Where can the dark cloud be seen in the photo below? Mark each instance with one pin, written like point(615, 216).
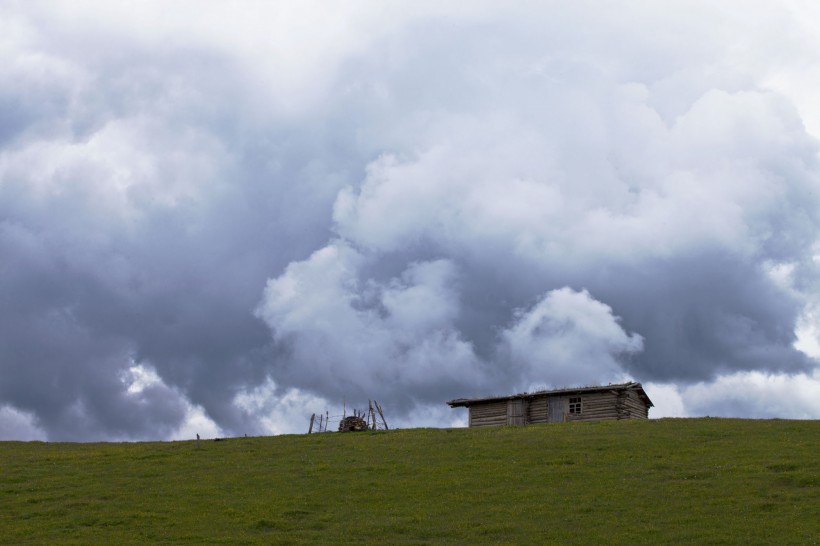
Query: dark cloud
point(225, 222)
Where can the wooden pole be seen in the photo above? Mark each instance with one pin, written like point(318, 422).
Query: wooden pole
point(379, 408)
point(312, 418)
point(327, 418)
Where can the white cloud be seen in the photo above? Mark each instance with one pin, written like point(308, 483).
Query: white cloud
point(280, 411)
point(753, 395)
point(347, 334)
point(196, 422)
point(438, 415)
point(808, 331)
point(756, 395)
point(19, 425)
point(569, 339)
point(502, 184)
point(667, 400)
point(144, 386)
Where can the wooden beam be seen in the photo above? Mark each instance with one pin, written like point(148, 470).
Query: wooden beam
point(381, 414)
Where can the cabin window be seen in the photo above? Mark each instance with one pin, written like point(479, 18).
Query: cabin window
point(575, 405)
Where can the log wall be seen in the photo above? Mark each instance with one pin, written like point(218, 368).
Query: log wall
point(538, 410)
point(488, 415)
point(632, 407)
point(596, 406)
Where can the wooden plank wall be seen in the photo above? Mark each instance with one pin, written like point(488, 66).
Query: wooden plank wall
point(632, 407)
point(488, 415)
point(517, 411)
point(557, 408)
point(538, 410)
point(596, 406)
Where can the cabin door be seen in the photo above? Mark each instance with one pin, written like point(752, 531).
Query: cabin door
point(515, 412)
point(557, 409)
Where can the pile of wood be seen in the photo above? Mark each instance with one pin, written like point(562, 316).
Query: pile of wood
point(359, 421)
point(352, 423)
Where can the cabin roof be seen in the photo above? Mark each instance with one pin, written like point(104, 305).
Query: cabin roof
point(467, 402)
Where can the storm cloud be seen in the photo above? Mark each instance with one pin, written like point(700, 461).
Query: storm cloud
point(221, 219)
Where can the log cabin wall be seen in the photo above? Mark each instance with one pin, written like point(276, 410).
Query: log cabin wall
point(614, 402)
point(538, 410)
point(597, 406)
point(632, 407)
point(489, 414)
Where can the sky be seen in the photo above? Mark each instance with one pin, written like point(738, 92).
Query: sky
point(219, 218)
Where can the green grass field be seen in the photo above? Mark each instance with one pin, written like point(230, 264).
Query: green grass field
point(666, 481)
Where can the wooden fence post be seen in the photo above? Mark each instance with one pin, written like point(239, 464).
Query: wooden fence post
point(371, 415)
point(312, 418)
point(379, 408)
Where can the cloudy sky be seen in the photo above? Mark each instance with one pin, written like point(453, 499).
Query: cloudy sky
point(219, 218)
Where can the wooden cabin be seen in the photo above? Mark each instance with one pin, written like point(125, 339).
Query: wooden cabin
point(609, 402)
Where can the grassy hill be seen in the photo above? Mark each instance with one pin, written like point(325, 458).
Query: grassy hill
point(667, 481)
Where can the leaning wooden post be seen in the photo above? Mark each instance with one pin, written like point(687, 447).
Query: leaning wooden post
point(371, 416)
point(312, 418)
point(379, 408)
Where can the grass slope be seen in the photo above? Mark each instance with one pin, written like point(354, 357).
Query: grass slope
point(668, 481)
